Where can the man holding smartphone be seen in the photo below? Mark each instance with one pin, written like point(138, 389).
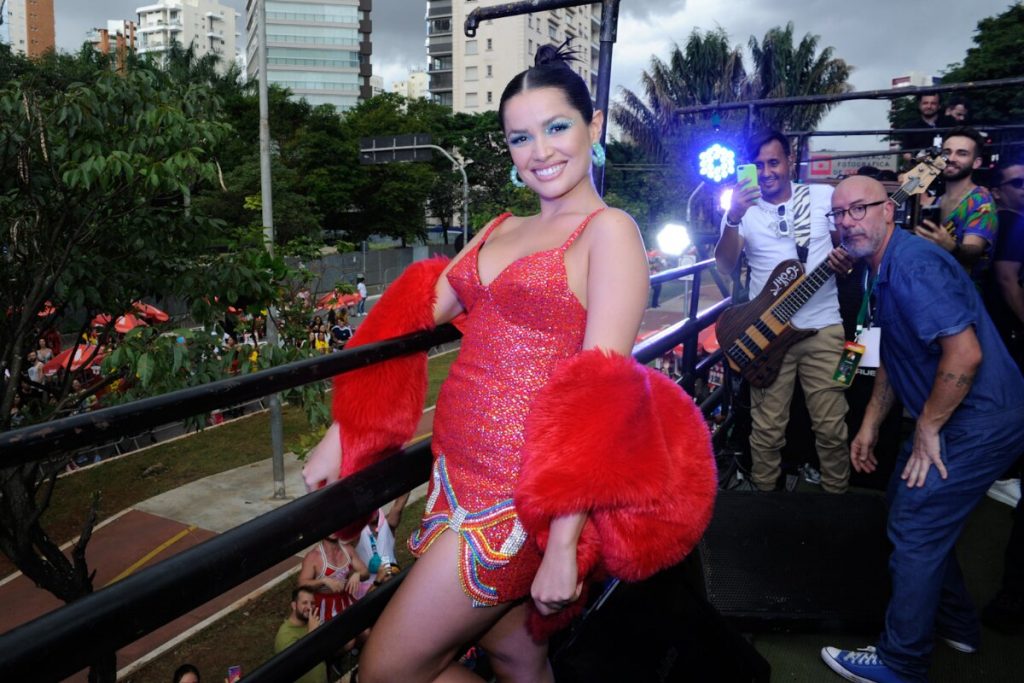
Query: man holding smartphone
point(772, 221)
point(966, 227)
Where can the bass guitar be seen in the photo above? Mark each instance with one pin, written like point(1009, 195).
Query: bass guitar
point(756, 335)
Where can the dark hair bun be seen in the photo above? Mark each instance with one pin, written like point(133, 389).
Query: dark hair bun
point(555, 55)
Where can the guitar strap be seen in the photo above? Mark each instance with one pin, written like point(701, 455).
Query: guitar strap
point(801, 217)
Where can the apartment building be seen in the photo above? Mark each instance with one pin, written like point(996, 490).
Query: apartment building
point(318, 50)
point(415, 86)
point(30, 26)
point(468, 74)
point(206, 24)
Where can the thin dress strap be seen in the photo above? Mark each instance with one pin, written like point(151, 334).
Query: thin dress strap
point(579, 231)
point(494, 224)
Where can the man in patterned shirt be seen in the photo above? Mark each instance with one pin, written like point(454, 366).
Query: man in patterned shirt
point(968, 212)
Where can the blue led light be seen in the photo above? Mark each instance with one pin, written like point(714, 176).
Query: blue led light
point(717, 163)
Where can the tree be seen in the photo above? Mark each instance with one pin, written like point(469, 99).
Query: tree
point(709, 70)
point(784, 69)
point(96, 174)
point(998, 52)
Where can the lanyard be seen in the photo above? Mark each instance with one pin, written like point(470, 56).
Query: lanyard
point(864, 315)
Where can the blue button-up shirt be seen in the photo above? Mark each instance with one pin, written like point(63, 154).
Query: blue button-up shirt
point(922, 294)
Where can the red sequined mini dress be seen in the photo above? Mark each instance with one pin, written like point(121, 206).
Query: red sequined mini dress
point(517, 329)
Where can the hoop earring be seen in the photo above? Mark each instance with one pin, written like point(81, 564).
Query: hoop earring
point(597, 154)
point(513, 176)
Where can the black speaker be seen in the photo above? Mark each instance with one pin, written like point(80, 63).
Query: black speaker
point(797, 561)
point(660, 629)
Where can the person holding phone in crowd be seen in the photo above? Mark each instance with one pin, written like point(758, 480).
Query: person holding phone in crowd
point(530, 492)
point(774, 220)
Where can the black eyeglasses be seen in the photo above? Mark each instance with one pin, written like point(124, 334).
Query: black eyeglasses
point(1015, 183)
point(781, 226)
point(857, 211)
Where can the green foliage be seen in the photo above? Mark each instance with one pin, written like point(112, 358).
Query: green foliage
point(998, 52)
point(708, 69)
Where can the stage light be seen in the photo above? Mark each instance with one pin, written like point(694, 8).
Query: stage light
point(725, 199)
point(673, 239)
point(717, 163)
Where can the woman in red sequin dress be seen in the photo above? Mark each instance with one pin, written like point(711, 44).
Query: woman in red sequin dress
point(536, 290)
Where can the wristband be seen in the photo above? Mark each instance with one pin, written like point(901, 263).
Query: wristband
point(730, 224)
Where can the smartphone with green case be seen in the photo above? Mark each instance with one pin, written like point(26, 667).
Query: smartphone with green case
point(746, 173)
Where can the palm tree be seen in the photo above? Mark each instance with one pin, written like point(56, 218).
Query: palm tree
point(706, 71)
point(783, 69)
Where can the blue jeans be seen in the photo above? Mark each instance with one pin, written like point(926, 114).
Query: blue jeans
point(361, 307)
point(928, 591)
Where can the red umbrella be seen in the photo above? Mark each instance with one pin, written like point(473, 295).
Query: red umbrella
point(48, 310)
point(150, 312)
point(335, 299)
point(125, 323)
point(128, 322)
point(83, 358)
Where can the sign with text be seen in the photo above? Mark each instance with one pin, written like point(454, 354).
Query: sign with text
point(822, 166)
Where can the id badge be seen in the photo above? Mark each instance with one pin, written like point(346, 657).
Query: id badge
point(871, 340)
point(848, 363)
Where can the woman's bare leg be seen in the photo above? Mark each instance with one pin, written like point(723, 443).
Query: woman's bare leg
point(512, 652)
point(430, 616)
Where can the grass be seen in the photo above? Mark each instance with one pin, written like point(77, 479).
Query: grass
point(246, 636)
point(124, 482)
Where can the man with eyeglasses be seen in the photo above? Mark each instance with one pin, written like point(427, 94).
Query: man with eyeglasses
point(941, 357)
point(771, 222)
point(967, 225)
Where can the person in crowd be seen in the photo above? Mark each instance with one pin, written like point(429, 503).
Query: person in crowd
point(941, 357)
point(44, 353)
point(656, 266)
point(956, 112)
point(1005, 291)
point(1005, 612)
point(968, 222)
point(773, 221)
point(302, 619)
point(928, 107)
point(528, 491)
point(34, 368)
point(361, 288)
point(186, 673)
point(376, 545)
point(335, 571)
point(341, 330)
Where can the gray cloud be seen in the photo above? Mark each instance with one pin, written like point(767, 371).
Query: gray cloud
point(880, 38)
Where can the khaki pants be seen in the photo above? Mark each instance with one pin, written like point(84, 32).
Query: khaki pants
point(814, 361)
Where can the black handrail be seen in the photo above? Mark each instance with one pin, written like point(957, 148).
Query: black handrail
point(138, 604)
point(135, 606)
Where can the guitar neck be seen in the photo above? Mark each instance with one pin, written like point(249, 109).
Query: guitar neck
point(801, 294)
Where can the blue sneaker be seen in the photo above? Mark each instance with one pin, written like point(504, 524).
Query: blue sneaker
point(860, 666)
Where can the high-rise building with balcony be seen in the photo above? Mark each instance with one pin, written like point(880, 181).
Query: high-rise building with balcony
point(30, 26)
point(468, 74)
point(206, 24)
point(318, 50)
point(415, 86)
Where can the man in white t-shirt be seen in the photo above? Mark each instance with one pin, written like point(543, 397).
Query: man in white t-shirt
point(774, 221)
point(361, 287)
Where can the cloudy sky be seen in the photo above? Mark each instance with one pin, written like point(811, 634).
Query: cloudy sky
point(880, 38)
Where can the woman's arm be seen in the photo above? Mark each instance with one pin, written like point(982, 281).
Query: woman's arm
point(617, 283)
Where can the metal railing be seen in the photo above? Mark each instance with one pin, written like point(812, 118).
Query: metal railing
point(123, 612)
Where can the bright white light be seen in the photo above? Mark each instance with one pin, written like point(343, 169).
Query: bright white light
point(673, 239)
point(725, 200)
point(717, 163)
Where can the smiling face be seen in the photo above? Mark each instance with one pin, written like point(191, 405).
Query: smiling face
point(962, 157)
point(303, 606)
point(549, 141)
point(773, 172)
